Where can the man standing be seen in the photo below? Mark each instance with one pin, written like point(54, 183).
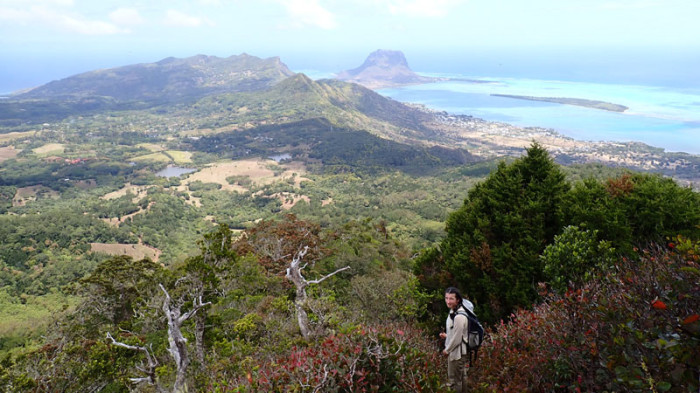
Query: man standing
point(456, 331)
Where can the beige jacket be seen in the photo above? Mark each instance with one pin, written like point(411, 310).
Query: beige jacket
point(456, 330)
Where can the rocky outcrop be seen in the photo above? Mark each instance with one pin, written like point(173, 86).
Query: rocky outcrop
point(384, 68)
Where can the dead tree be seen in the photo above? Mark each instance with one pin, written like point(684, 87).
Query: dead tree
point(294, 274)
point(177, 344)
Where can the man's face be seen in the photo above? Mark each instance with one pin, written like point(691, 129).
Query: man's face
point(451, 300)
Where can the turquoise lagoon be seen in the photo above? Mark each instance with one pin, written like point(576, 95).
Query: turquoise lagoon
point(666, 117)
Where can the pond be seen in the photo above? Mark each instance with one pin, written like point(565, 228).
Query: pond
point(174, 171)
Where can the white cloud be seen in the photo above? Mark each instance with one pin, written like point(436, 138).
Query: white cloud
point(60, 20)
point(126, 17)
point(180, 19)
point(26, 3)
point(422, 8)
point(626, 5)
point(309, 13)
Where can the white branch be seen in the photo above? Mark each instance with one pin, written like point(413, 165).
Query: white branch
point(196, 305)
point(323, 381)
point(152, 362)
point(317, 281)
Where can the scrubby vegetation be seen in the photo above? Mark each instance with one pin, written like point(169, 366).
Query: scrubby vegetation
point(588, 285)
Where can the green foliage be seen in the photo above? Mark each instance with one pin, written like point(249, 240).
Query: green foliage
point(391, 295)
point(574, 258)
point(6, 195)
point(197, 185)
point(634, 209)
point(113, 288)
point(494, 241)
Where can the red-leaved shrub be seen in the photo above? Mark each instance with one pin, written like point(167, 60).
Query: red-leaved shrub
point(396, 358)
point(632, 329)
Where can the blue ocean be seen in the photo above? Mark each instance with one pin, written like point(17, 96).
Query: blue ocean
point(666, 117)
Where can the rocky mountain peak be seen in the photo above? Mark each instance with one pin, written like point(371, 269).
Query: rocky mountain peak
point(383, 68)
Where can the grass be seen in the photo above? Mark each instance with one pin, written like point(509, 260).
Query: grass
point(180, 157)
point(136, 251)
point(156, 157)
point(7, 153)
point(11, 136)
point(50, 149)
point(151, 147)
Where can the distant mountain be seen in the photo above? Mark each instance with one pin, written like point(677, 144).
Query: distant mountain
point(168, 80)
point(384, 68)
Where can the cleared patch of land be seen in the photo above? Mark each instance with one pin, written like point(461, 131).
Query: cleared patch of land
point(136, 251)
point(11, 136)
point(180, 157)
point(8, 152)
point(289, 199)
point(50, 148)
point(151, 147)
point(138, 192)
point(606, 106)
point(259, 172)
point(156, 157)
point(28, 194)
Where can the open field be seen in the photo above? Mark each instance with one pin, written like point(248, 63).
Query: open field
point(136, 251)
point(151, 146)
point(180, 157)
point(50, 148)
point(259, 171)
point(157, 157)
point(11, 136)
point(28, 194)
point(8, 152)
point(138, 192)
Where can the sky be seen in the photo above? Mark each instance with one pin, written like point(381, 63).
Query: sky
point(44, 40)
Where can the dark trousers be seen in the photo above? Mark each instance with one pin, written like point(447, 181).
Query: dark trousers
point(457, 375)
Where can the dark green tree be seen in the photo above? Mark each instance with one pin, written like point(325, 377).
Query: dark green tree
point(494, 240)
point(113, 289)
point(202, 275)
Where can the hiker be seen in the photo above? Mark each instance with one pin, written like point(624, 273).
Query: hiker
point(456, 334)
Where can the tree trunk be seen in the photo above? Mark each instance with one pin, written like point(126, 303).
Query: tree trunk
point(199, 319)
point(295, 276)
point(302, 317)
point(177, 342)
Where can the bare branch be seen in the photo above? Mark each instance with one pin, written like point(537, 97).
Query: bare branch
point(196, 305)
point(150, 371)
point(317, 281)
point(323, 381)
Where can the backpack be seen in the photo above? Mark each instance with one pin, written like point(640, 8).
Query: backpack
point(475, 336)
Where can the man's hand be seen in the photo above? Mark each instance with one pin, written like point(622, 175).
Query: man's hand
point(443, 335)
point(444, 352)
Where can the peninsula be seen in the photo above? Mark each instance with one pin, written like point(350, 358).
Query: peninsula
point(607, 106)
